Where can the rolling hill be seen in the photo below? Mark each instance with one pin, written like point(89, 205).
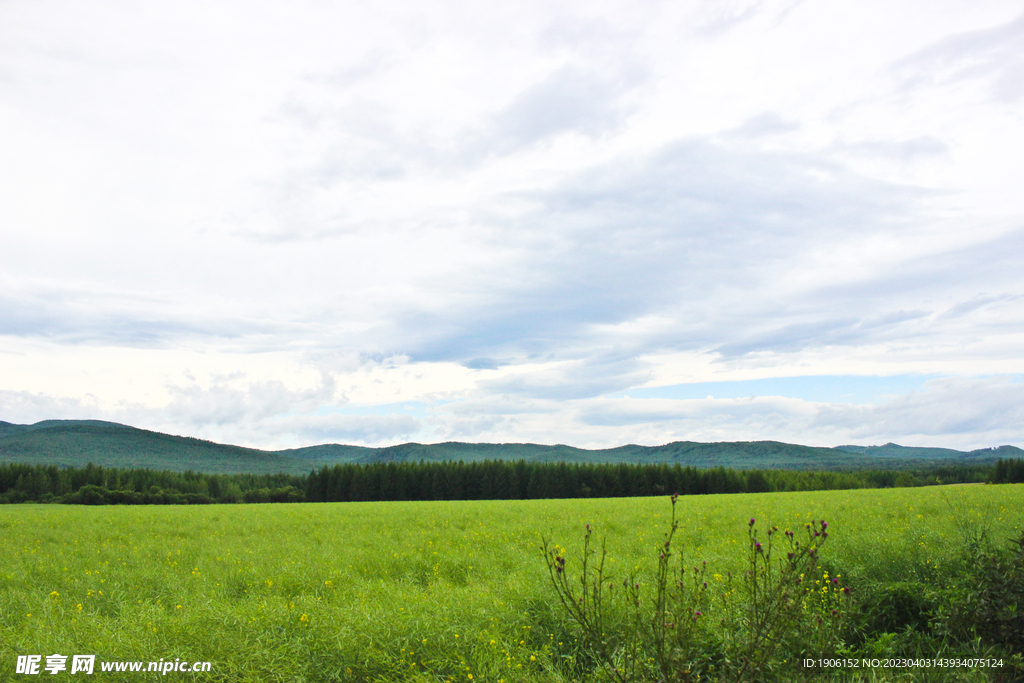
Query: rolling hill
point(78, 442)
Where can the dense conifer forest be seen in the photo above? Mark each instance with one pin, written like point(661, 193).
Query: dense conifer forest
point(487, 480)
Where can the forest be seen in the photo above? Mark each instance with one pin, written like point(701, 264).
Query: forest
point(425, 481)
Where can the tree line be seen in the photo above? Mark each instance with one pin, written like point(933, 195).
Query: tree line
point(1010, 471)
point(498, 480)
point(95, 485)
point(452, 480)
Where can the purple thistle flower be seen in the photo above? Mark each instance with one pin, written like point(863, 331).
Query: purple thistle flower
point(757, 547)
point(751, 523)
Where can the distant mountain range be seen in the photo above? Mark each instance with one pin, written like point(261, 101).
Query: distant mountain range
point(78, 442)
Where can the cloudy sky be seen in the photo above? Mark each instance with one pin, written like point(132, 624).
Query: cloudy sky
point(284, 223)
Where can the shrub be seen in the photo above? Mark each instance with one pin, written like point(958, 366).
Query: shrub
point(679, 633)
point(988, 605)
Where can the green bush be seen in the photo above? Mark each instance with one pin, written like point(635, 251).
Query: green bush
point(988, 603)
point(783, 608)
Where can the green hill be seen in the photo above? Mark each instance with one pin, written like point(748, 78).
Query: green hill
point(735, 454)
point(892, 450)
point(78, 442)
point(75, 443)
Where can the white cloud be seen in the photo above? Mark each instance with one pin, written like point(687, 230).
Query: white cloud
point(280, 222)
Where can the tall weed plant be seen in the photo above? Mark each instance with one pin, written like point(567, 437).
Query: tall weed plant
point(677, 627)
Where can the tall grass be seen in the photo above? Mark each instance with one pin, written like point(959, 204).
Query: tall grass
point(406, 591)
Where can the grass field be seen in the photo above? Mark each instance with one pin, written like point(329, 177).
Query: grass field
point(405, 591)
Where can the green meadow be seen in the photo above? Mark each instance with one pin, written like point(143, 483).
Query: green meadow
point(412, 591)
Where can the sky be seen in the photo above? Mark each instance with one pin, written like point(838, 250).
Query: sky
point(278, 224)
